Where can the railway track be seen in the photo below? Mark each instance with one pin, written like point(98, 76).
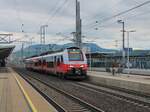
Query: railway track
point(62, 101)
point(106, 99)
point(132, 97)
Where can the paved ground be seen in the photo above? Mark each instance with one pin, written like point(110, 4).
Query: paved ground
point(11, 98)
point(126, 81)
point(131, 70)
point(136, 78)
point(16, 95)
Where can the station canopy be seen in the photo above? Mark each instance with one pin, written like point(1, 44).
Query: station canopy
point(5, 51)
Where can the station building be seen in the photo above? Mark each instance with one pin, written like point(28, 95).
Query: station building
point(139, 59)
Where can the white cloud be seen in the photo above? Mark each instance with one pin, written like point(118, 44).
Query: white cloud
point(33, 13)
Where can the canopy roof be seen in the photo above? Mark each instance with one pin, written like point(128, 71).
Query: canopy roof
point(5, 51)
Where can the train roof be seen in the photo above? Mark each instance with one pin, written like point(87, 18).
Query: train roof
point(50, 53)
point(59, 53)
point(44, 56)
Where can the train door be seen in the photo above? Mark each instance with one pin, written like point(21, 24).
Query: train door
point(55, 64)
point(58, 64)
point(44, 64)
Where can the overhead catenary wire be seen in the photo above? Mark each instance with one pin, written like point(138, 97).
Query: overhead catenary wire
point(90, 20)
point(137, 15)
point(57, 10)
point(103, 27)
point(118, 14)
point(51, 11)
point(66, 4)
point(60, 13)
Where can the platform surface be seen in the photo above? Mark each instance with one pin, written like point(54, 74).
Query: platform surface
point(129, 77)
point(13, 98)
point(132, 82)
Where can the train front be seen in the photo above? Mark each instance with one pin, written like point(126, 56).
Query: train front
point(76, 63)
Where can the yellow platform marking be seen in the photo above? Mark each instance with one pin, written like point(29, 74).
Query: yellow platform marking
point(26, 95)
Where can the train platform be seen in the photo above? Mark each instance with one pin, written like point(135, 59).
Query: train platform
point(137, 83)
point(16, 95)
point(133, 71)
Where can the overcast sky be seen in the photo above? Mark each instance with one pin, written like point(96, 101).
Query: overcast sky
point(60, 17)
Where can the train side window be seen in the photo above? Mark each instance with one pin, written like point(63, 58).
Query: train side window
point(58, 61)
point(50, 64)
point(44, 62)
point(62, 59)
point(55, 59)
point(36, 64)
point(39, 62)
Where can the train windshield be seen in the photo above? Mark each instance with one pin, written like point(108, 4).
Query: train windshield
point(75, 55)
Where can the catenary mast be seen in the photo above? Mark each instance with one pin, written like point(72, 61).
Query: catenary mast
point(78, 39)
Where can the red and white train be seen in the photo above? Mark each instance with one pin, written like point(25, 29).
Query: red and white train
point(69, 63)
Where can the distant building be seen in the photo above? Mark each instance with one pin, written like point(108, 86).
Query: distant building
point(138, 59)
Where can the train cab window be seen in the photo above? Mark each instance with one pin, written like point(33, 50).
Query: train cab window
point(75, 55)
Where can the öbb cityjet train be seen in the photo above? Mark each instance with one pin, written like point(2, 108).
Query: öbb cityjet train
point(69, 63)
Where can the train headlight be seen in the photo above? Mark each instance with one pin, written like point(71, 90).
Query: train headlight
point(81, 66)
point(71, 66)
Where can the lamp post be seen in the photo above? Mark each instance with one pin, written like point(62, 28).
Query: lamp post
point(123, 42)
point(128, 56)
